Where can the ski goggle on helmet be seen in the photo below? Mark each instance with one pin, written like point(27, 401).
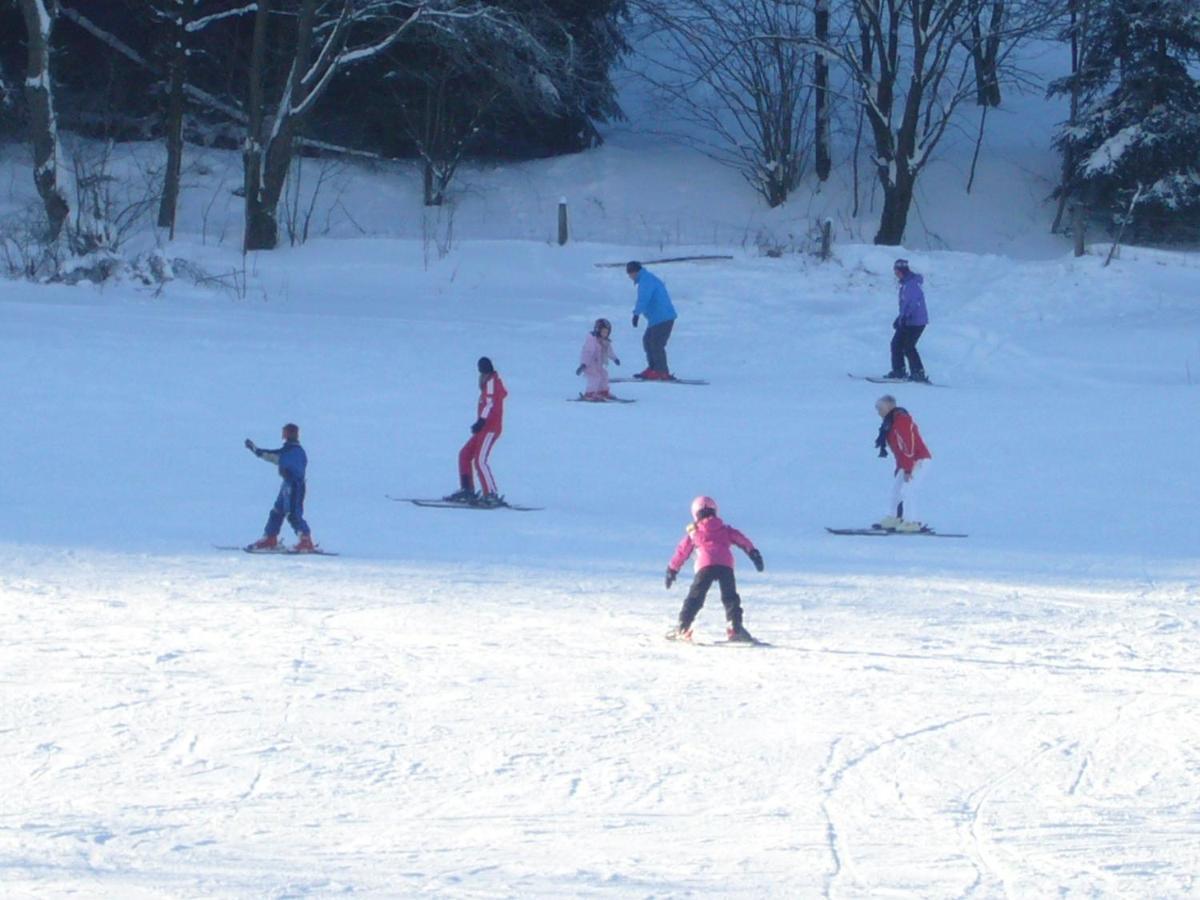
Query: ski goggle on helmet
point(602, 324)
point(700, 504)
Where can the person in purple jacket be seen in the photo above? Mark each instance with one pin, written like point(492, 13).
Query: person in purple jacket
point(909, 325)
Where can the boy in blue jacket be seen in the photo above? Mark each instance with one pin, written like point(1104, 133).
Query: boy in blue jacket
point(654, 303)
point(292, 462)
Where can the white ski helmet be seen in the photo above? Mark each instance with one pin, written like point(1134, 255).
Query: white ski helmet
point(702, 503)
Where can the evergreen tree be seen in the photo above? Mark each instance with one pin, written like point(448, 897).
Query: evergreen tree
point(1133, 145)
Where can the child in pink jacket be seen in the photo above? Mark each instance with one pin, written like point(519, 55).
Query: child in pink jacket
point(593, 361)
point(713, 541)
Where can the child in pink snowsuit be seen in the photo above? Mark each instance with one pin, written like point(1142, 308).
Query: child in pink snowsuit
point(593, 361)
point(712, 540)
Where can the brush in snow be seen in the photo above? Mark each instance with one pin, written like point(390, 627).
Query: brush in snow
point(582, 399)
point(876, 531)
point(438, 503)
point(671, 380)
point(881, 379)
point(281, 550)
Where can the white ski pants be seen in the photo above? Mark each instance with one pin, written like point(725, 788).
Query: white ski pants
point(904, 492)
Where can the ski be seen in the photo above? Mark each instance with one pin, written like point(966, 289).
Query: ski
point(281, 551)
point(887, 532)
point(877, 380)
point(583, 399)
point(671, 380)
point(674, 638)
point(454, 504)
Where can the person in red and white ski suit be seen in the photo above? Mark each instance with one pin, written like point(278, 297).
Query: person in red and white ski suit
point(899, 432)
point(473, 458)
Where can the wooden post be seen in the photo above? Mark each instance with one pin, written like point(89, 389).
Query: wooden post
point(563, 229)
point(826, 239)
point(1077, 226)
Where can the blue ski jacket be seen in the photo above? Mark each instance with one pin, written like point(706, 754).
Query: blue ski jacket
point(653, 301)
point(290, 458)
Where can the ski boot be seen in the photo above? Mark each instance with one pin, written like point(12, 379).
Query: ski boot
point(906, 527)
point(889, 523)
point(737, 634)
point(679, 633)
point(646, 374)
point(919, 376)
point(489, 501)
point(896, 375)
point(305, 545)
point(266, 542)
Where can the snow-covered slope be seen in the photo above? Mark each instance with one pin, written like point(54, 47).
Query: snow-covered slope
point(481, 704)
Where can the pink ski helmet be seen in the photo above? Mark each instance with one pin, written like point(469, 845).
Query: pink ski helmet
point(702, 503)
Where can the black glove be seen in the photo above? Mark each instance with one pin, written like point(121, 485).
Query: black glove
point(756, 558)
point(617, 361)
point(881, 438)
point(671, 573)
point(579, 371)
point(477, 427)
point(636, 319)
point(896, 324)
point(250, 446)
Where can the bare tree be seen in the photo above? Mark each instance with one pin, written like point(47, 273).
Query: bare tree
point(913, 69)
point(321, 48)
point(39, 17)
point(741, 72)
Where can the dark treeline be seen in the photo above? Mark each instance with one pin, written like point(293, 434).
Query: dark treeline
point(101, 91)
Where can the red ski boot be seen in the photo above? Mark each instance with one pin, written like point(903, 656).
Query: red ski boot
point(266, 542)
point(305, 545)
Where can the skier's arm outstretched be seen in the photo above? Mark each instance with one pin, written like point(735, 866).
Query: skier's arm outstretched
point(271, 456)
point(682, 553)
point(747, 546)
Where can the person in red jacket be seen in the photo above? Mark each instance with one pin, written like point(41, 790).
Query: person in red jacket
point(473, 457)
point(712, 542)
point(900, 433)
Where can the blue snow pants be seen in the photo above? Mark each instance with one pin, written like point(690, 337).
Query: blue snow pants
point(290, 505)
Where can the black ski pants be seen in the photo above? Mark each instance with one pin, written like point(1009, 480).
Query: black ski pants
point(904, 346)
point(654, 342)
point(694, 601)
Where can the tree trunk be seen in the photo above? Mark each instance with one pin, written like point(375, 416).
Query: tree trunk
point(269, 156)
point(176, 106)
point(427, 178)
point(897, 199)
point(257, 225)
point(824, 162)
point(43, 126)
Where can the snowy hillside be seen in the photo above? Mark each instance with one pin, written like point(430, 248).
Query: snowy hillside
point(481, 704)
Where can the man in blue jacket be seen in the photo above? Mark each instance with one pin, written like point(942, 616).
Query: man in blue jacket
point(654, 303)
point(292, 462)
